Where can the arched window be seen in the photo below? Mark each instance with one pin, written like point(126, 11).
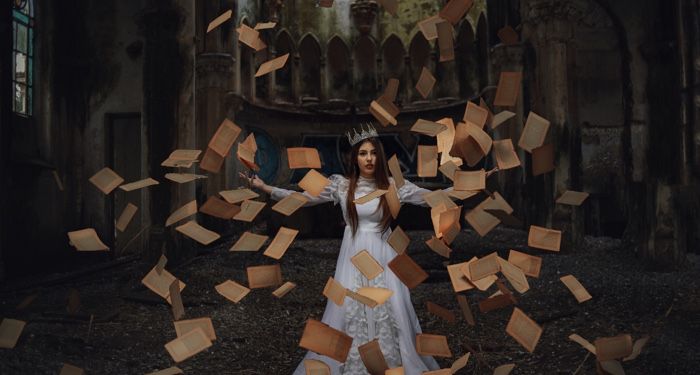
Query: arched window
point(247, 65)
point(338, 69)
point(310, 56)
point(283, 76)
point(393, 58)
point(419, 52)
point(467, 60)
point(482, 42)
point(22, 56)
point(365, 70)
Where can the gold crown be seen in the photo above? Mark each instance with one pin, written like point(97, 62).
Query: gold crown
point(370, 132)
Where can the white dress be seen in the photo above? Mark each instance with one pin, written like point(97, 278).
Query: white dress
point(394, 323)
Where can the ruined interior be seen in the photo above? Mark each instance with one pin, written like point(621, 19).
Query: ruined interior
point(86, 85)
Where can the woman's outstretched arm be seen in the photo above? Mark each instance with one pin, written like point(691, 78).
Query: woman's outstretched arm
point(413, 194)
point(328, 194)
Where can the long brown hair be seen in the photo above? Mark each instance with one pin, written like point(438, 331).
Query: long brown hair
point(381, 178)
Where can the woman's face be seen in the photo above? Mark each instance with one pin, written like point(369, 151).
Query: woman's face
point(366, 159)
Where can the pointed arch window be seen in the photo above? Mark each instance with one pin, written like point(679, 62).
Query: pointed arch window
point(22, 56)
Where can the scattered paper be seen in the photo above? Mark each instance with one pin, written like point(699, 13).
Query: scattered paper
point(583, 342)
point(428, 128)
point(183, 212)
point(534, 133)
point(219, 20)
point(160, 283)
point(572, 198)
point(440, 312)
point(438, 246)
point(314, 183)
point(372, 357)
point(508, 89)
point(238, 195)
point(272, 65)
point(182, 178)
point(544, 238)
point(176, 300)
point(290, 204)
point(106, 180)
point(369, 197)
point(86, 240)
point(322, 339)
point(10, 330)
point(181, 158)
point(501, 118)
point(314, 366)
point(249, 210)
point(506, 157)
point(183, 327)
point(459, 281)
point(284, 289)
point(303, 157)
point(516, 276)
point(335, 291)
point(475, 114)
point(398, 240)
point(524, 330)
point(428, 27)
point(616, 347)
point(139, 184)
point(367, 265)
point(504, 369)
point(264, 276)
point(483, 222)
point(432, 345)
point(219, 208)
point(281, 242)
point(576, 288)
point(198, 233)
point(188, 345)
point(637, 348)
point(455, 10)
point(445, 41)
point(395, 170)
point(211, 161)
point(232, 290)
point(222, 141)
point(426, 82)
point(427, 161)
point(470, 180)
point(466, 310)
point(408, 271)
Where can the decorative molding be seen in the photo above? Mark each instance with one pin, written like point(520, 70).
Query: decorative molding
point(364, 13)
point(214, 70)
point(583, 12)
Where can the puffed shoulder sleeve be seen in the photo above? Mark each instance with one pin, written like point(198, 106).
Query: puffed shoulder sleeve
point(331, 193)
point(413, 194)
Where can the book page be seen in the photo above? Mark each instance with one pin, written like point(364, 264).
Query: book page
point(249, 242)
point(249, 210)
point(264, 276)
point(408, 271)
point(470, 180)
point(238, 195)
point(314, 183)
point(426, 80)
point(225, 136)
point(183, 212)
point(182, 327)
point(272, 65)
point(106, 180)
point(334, 291)
point(290, 204)
point(303, 157)
point(372, 357)
point(508, 89)
point(534, 133)
point(86, 240)
point(544, 238)
point(281, 242)
point(232, 290)
point(284, 289)
point(575, 287)
point(395, 170)
point(524, 330)
point(198, 233)
point(432, 345)
point(216, 22)
point(188, 345)
point(10, 330)
point(325, 340)
point(398, 240)
point(367, 265)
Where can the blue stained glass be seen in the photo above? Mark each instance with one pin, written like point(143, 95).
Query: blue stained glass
point(19, 16)
point(21, 41)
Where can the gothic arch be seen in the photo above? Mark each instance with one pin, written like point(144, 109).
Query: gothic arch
point(310, 68)
point(419, 57)
point(283, 77)
point(247, 64)
point(393, 53)
point(339, 78)
point(365, 69)
point(482, 45)
point(467, 57)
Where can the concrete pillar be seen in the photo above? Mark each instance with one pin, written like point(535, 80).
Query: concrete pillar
point(511, 59)
point(550, 32)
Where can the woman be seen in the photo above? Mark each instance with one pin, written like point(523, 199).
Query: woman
point(367, 228)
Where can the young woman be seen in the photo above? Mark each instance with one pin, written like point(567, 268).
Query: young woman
point(367, 228)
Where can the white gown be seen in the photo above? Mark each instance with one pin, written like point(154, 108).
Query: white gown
point(394, 323)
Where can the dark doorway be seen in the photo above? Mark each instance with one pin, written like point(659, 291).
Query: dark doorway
point(127, 160)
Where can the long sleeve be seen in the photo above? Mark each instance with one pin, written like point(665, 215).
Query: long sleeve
point(413, 194)
point(328, 194)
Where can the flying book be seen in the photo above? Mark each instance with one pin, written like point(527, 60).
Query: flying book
point(86, 240)
point(140, 184)
point(106, 180)
point(188, 345)
point(216, 22)
point(281, 242)
point(232, 290)
point(524, 330)
point(432, 345)
point(325, 340)
point(264, 276)
point(303, 157)
point(198, 233)
point(249, 242)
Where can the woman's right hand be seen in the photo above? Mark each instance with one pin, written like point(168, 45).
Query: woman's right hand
point(254, 181)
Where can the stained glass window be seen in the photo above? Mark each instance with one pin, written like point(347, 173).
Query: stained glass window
point(22, 56)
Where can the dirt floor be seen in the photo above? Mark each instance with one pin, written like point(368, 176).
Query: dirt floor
point(260, 335)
